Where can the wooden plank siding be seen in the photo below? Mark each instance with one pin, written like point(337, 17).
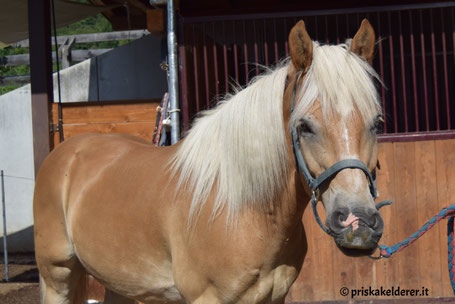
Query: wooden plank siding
point(420, 178)
point(134, 117)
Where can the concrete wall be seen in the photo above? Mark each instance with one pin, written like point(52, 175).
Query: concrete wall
point(128, 72)
point(131, 71)
point(16, 160)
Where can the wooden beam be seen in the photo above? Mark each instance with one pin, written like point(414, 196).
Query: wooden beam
point(156, 20)
point(39, 21)
point(76, 55)
point(95, 37)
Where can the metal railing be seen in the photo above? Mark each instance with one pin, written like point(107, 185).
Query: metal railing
point(414, 57)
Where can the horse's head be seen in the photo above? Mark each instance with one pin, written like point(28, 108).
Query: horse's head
point(336, 117)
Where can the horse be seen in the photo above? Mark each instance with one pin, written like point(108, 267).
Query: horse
point(217, 217)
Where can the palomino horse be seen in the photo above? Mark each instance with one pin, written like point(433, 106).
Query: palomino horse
point(217, 218)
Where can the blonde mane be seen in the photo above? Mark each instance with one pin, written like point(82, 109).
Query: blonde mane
point(239, 148)
point(341, 81)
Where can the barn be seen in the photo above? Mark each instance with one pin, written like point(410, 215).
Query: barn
point(225, 44)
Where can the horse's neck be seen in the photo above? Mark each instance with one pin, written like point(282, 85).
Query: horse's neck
point(293, 201)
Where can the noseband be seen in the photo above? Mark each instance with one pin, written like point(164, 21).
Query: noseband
point(315, 183)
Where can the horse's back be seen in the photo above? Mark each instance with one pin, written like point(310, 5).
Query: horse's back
point(80, 159)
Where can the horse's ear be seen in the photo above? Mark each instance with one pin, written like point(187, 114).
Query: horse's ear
point(300, 47)
point(363, 42)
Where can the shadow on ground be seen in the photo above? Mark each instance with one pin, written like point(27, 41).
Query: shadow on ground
point(23, 286)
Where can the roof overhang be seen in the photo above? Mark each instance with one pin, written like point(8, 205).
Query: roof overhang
point(14, 17)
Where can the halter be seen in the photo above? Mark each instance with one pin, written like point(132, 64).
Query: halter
point(315, 183)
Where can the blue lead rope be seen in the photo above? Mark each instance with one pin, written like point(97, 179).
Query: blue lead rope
point(451, 247)
point(448, 212)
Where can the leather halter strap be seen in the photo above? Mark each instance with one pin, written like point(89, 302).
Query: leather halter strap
point(315, 183)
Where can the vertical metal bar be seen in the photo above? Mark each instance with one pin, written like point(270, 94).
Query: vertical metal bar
point(414, 77)
point(236, 56)
point(266, 47)
point(444, 57)
point(338, 30)
point(183, 77)
point(245, 52)
point(392, 70)
point(5, 246)
point(256, 54)
point(275, 41)
point(215, 62)
point(381, 68)
point(348, 33)
point(173, 73)
point(435, 76)
point(453, 31)
point(316, 27)
point(286, 47)
point(403, 74)
point(206, 67)
point(326, 29)
point(226, 72)
point(196, 74)
point(425, 87)
point(41, 78)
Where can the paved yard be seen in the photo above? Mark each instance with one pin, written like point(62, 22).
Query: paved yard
point(23, 287)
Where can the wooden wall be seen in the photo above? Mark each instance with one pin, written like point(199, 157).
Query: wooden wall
point(420, 178)
point(133, 117)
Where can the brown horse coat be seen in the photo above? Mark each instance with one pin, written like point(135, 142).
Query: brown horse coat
point(108, 205)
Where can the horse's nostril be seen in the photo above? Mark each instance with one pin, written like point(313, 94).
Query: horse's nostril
point(378, 224)
point(338, 217)
point(341, 218)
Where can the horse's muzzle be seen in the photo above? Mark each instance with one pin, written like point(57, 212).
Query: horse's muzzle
point(356, 232)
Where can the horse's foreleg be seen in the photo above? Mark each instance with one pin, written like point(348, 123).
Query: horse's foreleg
point(62, 284)
point(62, 275)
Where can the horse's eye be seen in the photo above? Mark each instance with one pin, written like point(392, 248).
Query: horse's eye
point(304, 128)
point(378, 126)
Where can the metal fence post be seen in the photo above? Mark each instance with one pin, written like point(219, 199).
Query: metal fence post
point(5, 248)
point(173, 73)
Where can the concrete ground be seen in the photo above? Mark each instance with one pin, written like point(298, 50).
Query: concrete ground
point(23, 286)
